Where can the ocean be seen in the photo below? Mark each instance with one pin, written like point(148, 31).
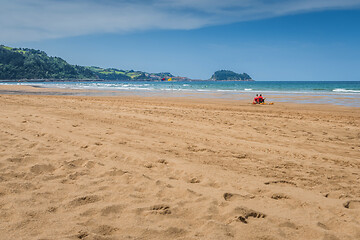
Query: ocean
point(345, 93)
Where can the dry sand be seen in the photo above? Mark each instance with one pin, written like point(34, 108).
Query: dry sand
point(144, 168)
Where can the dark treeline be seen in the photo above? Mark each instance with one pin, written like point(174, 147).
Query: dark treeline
point(25, 63)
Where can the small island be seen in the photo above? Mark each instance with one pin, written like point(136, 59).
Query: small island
point(226, 75)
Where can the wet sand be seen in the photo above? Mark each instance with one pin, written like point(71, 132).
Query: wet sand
point(80, 167)
point(327, 98)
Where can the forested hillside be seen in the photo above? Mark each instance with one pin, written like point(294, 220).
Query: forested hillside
point(16, 63)
point(25, 64)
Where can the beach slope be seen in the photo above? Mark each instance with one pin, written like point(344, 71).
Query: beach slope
point(169, 168)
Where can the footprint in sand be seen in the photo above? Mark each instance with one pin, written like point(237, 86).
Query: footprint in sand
point(74, 163)
point(244, 213)
point(51, 209)
point(163, 161)
point(278, 196)
point(76, 175)
point(337, 195)
point(280, 182)
point(148, 165)
point(82, 235)
point(194, 180)
point(175, 232)
point(115, 172)
point(160, 209)
point(352, 204)
point(90, 164)
point(228, 196)
point(233, 196)
point(15, 159)
point(323, 226)
point(112, 210)
point(105, 230)
point(42, 168)
point(2, 192)
point(288, 224)
point(84, 200)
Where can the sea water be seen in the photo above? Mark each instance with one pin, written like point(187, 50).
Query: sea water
point(334, 92)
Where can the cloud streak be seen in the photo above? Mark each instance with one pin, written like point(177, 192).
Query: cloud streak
point(22, 20)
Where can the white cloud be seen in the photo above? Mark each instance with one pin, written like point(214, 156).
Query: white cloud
point(22, 20)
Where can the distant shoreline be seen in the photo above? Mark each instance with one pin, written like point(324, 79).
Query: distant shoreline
point(104, 80)
point(326, 99)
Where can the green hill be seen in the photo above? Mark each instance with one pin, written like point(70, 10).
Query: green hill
point(226, 75)
point(116, 74)
point(27, 64)
point(16, 63)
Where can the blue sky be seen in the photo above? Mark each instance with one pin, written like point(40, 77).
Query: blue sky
point(270, 40)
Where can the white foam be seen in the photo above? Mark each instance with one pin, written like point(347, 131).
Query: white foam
point(345, 90)
point(225, 90)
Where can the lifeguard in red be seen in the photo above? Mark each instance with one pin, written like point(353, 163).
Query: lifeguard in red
point(256, 99)
point(260, 99)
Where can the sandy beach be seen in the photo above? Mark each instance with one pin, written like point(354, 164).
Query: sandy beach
point(80, 167)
